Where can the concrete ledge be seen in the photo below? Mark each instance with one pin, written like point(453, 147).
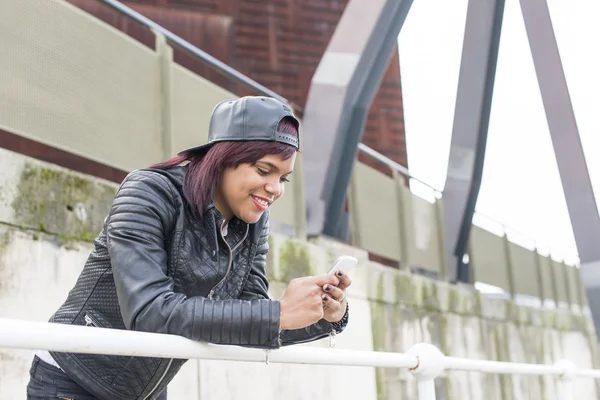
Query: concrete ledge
point(48, 198)
point(335, 248)
point(464, 300)
point(495, 309)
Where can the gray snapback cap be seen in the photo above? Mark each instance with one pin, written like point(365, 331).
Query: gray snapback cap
point(248, 118)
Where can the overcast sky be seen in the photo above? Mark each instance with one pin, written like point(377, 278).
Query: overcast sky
point(521, 186)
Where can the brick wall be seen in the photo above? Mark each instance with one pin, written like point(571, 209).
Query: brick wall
point(276, 42)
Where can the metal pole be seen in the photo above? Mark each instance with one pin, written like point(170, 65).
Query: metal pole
point(427, 390)
point(18, 334)
point(570, 159)
point(502, 367)
point(566, 387)
point(340, 95)
point(469, 132)
point(425, 361)
point(431, 364)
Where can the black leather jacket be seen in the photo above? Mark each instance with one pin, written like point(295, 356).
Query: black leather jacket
point(157, 268)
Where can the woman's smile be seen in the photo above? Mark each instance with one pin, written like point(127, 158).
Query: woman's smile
point(261, 203)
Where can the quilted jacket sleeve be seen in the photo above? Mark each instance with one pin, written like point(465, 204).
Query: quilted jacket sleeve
point(142, 216)
point(257, 287)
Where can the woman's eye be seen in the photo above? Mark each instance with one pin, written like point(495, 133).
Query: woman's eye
point(263, 172)
point(284, 180)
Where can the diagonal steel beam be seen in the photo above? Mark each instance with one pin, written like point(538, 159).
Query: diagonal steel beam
point(568, 150)
point(340, 95)
point(469, 132)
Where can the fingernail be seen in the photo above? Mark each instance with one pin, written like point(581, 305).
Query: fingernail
point(327, 287)
point(340, 273)
point(325, 298)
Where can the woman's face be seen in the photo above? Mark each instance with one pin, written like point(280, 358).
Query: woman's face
point(248, 190)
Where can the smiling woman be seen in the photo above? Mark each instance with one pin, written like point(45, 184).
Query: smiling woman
point(227, 165)
point(183, 251)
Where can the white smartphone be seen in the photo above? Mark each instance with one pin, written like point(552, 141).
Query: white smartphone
point(344, 264)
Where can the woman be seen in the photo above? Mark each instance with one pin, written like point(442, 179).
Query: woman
point(183, 251)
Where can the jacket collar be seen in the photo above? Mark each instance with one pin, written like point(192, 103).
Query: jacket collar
point(211, 213)
point(236, 227)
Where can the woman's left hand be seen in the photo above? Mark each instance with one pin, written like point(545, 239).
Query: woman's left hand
point(334, 298)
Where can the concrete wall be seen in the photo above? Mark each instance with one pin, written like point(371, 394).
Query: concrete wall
point(48, 217)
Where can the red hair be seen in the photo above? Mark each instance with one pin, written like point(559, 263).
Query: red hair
point(204, 170)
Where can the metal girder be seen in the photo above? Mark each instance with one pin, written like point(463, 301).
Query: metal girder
point(469, 132)
point(577, 186)
point(340, 95)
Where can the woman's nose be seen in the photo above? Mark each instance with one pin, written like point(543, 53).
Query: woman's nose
point(274, 188)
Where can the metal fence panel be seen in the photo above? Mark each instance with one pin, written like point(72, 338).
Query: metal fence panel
point(524, 270)
point(88, 89)
point(573, 281)
point(488, 258)
point(560, 281)
point(547, 278)
point(423, 233)
point(375, 212)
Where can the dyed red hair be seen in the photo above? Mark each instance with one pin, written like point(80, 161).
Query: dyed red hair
point(204, 170)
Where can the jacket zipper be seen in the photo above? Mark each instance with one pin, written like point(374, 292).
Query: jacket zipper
point(229, 260)
point(90, 321)
point(210, 296)
point(160, 380)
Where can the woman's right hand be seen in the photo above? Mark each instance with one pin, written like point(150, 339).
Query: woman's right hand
point(302, 302)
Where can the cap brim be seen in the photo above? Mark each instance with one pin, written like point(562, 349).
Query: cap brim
point(198, 149)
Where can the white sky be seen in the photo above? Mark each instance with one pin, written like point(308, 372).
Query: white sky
point(521, 186)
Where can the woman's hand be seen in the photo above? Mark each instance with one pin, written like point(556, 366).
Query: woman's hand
point(334, 298)
point(302, 302)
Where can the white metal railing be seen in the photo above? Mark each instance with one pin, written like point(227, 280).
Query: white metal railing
point(425, 361)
